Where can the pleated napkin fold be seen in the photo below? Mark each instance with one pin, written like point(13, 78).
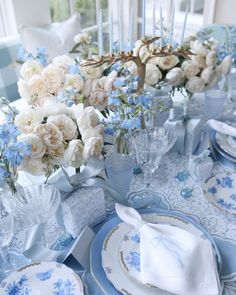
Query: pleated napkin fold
point(173, 259)
point(222, 127)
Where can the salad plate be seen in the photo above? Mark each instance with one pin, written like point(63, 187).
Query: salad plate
point(44, 278)
point(106, 267)
point(219, 149)
point(220, 190)
point(227, 143)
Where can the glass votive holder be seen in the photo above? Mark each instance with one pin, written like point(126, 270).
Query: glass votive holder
point(214, 103)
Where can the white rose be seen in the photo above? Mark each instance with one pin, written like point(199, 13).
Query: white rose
point(225, 65)
point(65, 124)
point(30, 68)
point(131, 67)
point(27, 119)
point(199, 61)
point(75, 81)
point(190, 70)
point(83, 38)
point(195, 84)
point(92, 148)
point(98, 99)
point(153, 74)
point(55, 108)
point(175, 77)
point(63, 62)
point(23, 90)
point(91, 72)
point(37, 145)
point(208, 74)
point(76, 109)
point(33, 166)
point(74, 154)
point(198, 48)
point(92, 132)
point(167, 62)
point(37, 87)
point(56, 154)
point(50, 134)
point(143, 51)
point(211, 59)
point(154, 61)
point(87, 118)
point(87, 87)
point(53, 77)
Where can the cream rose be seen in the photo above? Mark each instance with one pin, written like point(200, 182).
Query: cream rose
point(76, 110)
point(56, 154)
point(207, 75)
point(131, 67)
point(142, 51)
point(225, 65)
point(98, 99)
point(92, 132)
point(153, 74)
point(65, 124)
point(175, 77)
point(33, 166)
point(195, 84)
point(53, 77)
point(63, 62)
point(27, 119)
point(23, 90)
point(92, 148)
point(83, 38)
point(55, 108)
point(167, 62)
point(74, 154)
point(91, 72)
point(199, 61)
point(190, 70)
point(30, 68)
point(50, 134)
point(87, 118)
point(75, 81)
point(87, 87)
point(211, 59)
point(37, 145)
point(198, 48)
point(37, 87)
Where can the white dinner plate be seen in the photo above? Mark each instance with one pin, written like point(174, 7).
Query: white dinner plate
point(227, 143)
point(44, 278)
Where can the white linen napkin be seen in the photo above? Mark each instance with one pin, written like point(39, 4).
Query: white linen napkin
point(222, 127)
point(173, 259)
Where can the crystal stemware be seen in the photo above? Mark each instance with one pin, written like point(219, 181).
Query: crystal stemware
point(150, 145)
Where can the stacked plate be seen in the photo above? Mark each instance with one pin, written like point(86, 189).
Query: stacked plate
point(224, 149)
point(115, 256)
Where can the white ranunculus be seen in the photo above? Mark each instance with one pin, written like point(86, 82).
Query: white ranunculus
point(199, 61)
point(190, 70)
point(63, 62)
point(33, 166)
point(50, 134)
point(167, 62)
point(92, 132)
point(53, 77)
point(211, 59)
point(23, 89)
point(142, 51)
point(30, 68)
point(83, 38)
point(27, 119)
point(175, 76)
point(38, 148)
point(131, 67)
point(75, 81)
point(198, 48)
point(225, 65)
point(93, 147)
point(208, 74)
point(74, 154)
point(153, 74)
point(55, 108)
point(87, 87)
point(37, 87)
point(154, 61)
point(87, 118)
point(56, 154)
point(98, 99)
point(65, 124)
point(195, 84)
point(91, 72)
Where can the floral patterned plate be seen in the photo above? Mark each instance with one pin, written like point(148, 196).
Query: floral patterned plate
point(220, 189)
point(44, 278)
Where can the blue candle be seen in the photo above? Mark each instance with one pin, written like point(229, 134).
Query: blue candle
point(184, 25)
point(131, 24)
point(143, 17)
point(154, 20)
point(171, 28)
point(111, 32)
point(100, 35)
point(161, 27)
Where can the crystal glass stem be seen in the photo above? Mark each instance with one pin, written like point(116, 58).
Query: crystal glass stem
point(6, 266)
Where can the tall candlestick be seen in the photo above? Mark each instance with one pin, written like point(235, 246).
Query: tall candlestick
point(111, 32)
point(154, 19)
point(184, 25)
point(131, 23)
point(161, 27)
point(121, 32)
point(100, 34)
point(171, 25)
point(143, 17)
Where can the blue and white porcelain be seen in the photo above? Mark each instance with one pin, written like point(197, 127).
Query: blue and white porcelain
point(221, 191)
point(44, 278)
